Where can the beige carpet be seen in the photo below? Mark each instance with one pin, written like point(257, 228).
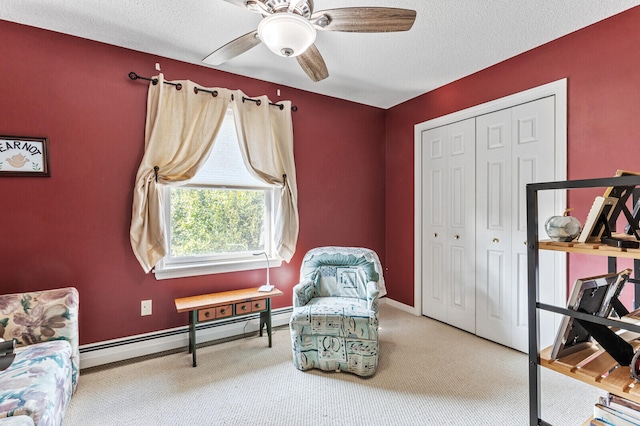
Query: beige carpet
point(428, 374)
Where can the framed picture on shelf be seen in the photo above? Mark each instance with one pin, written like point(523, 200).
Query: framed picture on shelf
point(597, 219)
point(622, 194)
point(24, 156)
point(591, 295)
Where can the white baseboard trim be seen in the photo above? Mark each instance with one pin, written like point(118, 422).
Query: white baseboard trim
point(115, 350)
point(401, 306)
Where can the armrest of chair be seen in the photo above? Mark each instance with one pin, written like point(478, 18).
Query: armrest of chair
point(373, 294)
point(303, 293)
point(39, 316)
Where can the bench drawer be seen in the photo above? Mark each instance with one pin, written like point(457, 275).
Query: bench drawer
point(224, 311)
point(206, 314)
point(258, 305)
point(243, 308)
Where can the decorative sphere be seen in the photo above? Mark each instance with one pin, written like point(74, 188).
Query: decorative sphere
point(562, 228)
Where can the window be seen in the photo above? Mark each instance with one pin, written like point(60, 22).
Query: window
point(221, 219)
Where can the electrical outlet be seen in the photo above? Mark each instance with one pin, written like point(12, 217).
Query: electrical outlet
point(145, 307)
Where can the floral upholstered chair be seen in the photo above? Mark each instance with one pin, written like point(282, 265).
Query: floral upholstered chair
point(37, 386)
point(334, 324)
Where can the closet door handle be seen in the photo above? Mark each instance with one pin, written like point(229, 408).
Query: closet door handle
point(456, 237)
point(496, 240)
point(435, 235)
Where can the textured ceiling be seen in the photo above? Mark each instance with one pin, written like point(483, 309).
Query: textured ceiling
point(449, 40)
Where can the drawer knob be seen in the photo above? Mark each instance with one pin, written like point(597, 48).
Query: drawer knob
point(496, 240)
point(257, 305)
point(244, 307)
point(223, 311)
point(207, 314)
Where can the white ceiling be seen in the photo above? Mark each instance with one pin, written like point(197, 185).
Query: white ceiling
point(449, 40)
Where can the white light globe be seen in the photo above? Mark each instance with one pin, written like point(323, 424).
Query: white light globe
point(286, 34)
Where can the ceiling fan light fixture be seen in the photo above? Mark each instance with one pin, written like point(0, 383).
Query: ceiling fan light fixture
point(286, 34)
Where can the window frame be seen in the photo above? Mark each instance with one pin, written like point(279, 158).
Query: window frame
point(187, 266)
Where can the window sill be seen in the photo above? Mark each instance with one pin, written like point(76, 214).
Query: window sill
point(163, 272)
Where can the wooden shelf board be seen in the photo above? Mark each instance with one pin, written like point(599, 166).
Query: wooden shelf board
point(619, 378)
point(597, 367)
point(597, 249)
point(589, 365)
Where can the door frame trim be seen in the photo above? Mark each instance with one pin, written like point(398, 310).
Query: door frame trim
point(556, 88)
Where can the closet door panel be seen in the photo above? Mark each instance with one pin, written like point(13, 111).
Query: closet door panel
point(533, 155)
point(496, 278)
point(436, 201)
point(436, 276)
point(493, 227)
point(434, 224)
point(458, 293)
point(461, 236)
point(496, 196)
point(458, 193)
point(448, 289)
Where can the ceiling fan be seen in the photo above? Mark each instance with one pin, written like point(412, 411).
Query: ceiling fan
point(289, 27)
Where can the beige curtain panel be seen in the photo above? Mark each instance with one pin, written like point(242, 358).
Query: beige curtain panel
point(265, 134)
point(180, 131)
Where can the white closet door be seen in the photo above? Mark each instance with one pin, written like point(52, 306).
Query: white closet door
point(493, 227)
point(515, 147)
point(533, 161)
point(448, 159)
point(434, 224)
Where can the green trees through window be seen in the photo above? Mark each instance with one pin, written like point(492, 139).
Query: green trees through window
point(212, 221)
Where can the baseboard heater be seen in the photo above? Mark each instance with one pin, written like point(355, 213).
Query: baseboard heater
point(116, 350)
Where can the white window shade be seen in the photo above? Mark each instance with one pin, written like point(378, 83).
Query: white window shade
point(225, 167)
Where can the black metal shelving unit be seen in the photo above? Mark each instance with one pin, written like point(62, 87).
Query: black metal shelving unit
point(534, 306)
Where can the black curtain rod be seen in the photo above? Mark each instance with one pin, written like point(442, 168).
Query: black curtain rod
point(134, 76)
point(214, 93)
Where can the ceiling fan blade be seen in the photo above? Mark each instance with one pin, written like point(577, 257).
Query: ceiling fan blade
point(364, 19)
point(312, 63)
point(233, 49)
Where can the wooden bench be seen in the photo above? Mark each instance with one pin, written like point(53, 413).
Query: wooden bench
point(217, 306)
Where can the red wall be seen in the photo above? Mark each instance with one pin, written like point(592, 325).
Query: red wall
point(72, 229)
point(602, 65)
